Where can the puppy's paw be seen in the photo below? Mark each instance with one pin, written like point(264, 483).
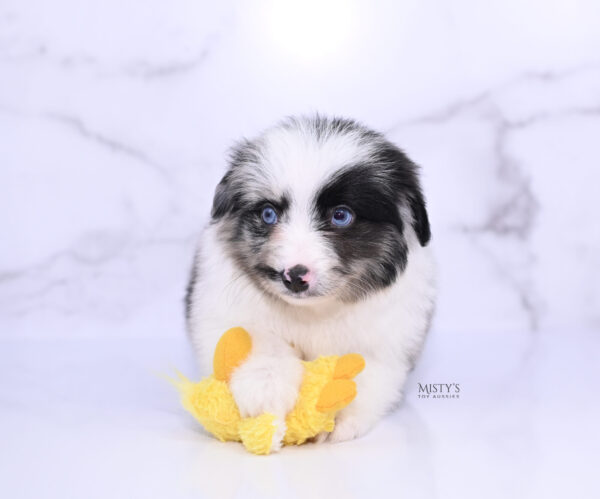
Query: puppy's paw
point(267, 385)
point(347, 427)
point(320, 438)
point(277, 442)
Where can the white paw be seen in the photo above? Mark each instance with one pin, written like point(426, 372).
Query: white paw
point(320, 438)
point(277, 442)
point(346, 428)
point(266, 385)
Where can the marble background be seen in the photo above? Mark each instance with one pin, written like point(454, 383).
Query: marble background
point(115, 118)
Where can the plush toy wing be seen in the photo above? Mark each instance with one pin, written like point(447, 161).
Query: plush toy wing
point(341, 390)
point(327, 387)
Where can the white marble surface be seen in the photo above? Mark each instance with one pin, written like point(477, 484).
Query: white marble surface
point(93, 418)
point(114, 122)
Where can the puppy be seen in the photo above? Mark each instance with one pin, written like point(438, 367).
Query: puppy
point(318, 245)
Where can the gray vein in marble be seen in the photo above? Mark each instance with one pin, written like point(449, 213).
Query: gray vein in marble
point(465, 104)
point(515, 214)
point(149, 70)
point(139, 68)
point(83, 258)
point(113, 145)
point(445, 114)
point(551, 76)
point(47, 277)
point(50, 261)
point(42, 53)
point(47, 287)
point(527, 295)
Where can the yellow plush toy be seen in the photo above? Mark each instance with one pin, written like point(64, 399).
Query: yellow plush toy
point(326, 388)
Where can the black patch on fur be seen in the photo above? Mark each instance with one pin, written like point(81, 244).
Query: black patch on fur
point(226, 199)
point(373, 246)
point(420, 221)
point(371, 249)
point(361, 190)
point(228, 196)
point(323, 127)
point(268, 272)
point(405, 181)
point(189, 291)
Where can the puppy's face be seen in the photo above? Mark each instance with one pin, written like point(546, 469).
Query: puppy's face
point(318, 208)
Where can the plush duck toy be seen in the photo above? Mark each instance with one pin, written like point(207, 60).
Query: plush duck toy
point(326, 388)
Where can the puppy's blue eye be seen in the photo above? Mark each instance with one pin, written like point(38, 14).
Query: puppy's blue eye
point(341, 217)
point(269, 215)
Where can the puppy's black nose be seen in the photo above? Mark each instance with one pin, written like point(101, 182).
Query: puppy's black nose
point(293, 278)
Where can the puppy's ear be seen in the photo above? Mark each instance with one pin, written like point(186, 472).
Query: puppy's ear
point(226, 197)
point(420, 219)
point(406, 180)
point(228, 194)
